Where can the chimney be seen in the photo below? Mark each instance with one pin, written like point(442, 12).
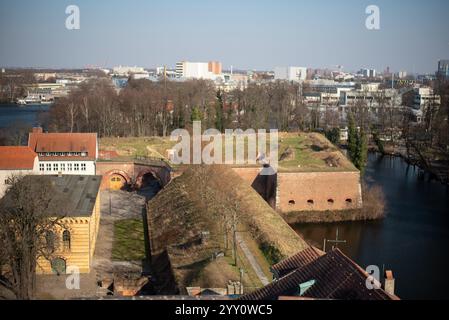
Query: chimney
point(37, 130)
point(389, 282)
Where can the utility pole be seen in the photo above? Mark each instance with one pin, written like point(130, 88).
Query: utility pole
point(234, 237)
point(241, 279)
point(335, 242)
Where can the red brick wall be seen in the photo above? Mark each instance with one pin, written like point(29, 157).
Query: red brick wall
point(296, 191)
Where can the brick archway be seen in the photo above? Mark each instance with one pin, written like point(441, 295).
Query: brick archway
point(108, 175)
point(142, 173)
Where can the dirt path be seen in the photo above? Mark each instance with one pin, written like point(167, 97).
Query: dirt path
point(252, 260)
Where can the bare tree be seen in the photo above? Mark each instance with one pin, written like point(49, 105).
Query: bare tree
point(30, 212)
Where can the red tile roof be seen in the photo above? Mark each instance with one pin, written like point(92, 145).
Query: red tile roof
point(64, 142)
point(16, 158)
point(335, 275)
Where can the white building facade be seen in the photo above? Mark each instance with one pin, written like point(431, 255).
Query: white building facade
point(290, 73)
point(65, 153)
point(195, 70)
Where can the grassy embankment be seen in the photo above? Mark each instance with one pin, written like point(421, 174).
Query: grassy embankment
point(306, 151)
point(204, 199)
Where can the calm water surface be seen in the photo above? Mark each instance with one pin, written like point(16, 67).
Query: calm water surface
point(29, 114)
point(413, 240)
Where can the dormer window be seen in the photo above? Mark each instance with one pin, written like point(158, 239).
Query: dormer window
point(83, 154)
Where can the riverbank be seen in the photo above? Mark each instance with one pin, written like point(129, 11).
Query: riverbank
point(438, 170)
point(414, 232)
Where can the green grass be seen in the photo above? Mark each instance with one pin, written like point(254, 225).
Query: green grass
point(307, 154)
point(129, 242)
point(138, 146)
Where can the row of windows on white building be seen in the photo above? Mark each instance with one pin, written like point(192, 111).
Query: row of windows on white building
point(63, 154)
point(62, 167)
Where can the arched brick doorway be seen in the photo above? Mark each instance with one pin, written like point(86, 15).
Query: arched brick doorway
point(145, 175)
point(116, 180)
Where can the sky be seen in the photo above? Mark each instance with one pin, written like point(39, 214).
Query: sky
point(247, 34)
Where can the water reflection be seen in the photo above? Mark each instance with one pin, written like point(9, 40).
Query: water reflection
point(413, 240)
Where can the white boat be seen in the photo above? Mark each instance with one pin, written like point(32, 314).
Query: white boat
point(34, 98)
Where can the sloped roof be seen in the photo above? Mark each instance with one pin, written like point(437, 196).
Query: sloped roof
point(64, 142)
point(335, 275)
point(16, 158)
point(296, 261)
point(74, 195)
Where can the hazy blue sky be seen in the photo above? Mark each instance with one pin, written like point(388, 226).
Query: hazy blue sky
point(248, 34)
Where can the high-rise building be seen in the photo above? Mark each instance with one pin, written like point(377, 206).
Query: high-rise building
point(443, 69)
point(402, 74)
point(290, 73)
point(215, 67)
point(198, 70)
point(368, 73)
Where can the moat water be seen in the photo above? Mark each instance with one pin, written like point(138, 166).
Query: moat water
point(413, 239)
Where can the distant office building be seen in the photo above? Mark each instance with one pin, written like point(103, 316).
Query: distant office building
point(215, 67)
point(368, 73)
point(402, 74)
point(44, 76)
point(369, 87)
point(290, 73)
point(425, 97)
point(198, 70)
point(140, 75)
point(443, 69)
point(127, 71)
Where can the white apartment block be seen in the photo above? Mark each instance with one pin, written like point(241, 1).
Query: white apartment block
point(290, 73)
point(194, 70)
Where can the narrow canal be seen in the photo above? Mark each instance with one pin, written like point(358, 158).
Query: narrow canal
point(413, 239)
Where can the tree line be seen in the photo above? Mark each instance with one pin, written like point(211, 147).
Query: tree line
point(145, 108)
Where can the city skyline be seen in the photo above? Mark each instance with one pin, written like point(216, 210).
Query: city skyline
point(250, 35)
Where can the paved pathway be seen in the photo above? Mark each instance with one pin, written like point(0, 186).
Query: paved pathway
point(252, 260)
point(115, 205)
